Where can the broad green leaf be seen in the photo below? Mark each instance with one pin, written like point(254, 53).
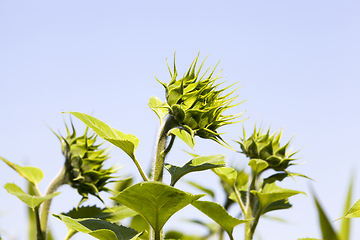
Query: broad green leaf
point(327, 230)
point(273, 193)
point(156, 105)
point(127, 142)
point(258, 165)
point(184, 135)
point(155, 201)
point(99, 229)
point(218, 213)
point(227, 174)
point(196, 164)
point(32, 174)
point(281, 176)
point(346, 222)
point(31, 201)
point(277, 205)
point(202, 188)
point(172, 235)
point(113, 214)
point(354, 211)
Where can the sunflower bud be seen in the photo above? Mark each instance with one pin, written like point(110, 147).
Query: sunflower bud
point(198, 103)
point(84, 164)
point(267, 148)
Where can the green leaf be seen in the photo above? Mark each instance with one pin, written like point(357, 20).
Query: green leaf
point(184, 135)
point(227, 174)
point(141, 225)
point(99, 229)
point(31, 201)
point(277, 205)
point(346, 222)
point(281, 176)
point(33, 174)
point(354, 211)
point(327, 230)
point(218, 213)
point(258, 165)
point(273, 193)
point(127, 142)
point(202, 188)
point(157, 106)
point(196, 164)
point(155, 201)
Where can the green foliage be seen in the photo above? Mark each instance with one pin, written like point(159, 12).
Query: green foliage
point(217, 213)
point(99, 229)
point(32, 174)
point(196, 164)
point(31, 201)
point(155, 201)
point(127, 142)
point(272, 193)
point(157, 106)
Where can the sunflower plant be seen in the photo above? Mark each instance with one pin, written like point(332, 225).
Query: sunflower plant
point(195, 105)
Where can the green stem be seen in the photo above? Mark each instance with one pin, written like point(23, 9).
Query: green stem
point(249, 232)
point(58, 181)
point(143, 175)
point(40, 234)
point(238, 198)
point(161, 149)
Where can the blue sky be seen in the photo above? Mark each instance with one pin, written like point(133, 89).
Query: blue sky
point(298, 63)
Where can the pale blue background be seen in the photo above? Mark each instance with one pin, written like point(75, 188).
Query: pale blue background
point(297, 60)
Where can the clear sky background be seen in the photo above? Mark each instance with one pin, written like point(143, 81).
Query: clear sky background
point(298, 63)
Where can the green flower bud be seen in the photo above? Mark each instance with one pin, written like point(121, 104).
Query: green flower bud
point(267, 147)
point(198, 102)
point(84, 164)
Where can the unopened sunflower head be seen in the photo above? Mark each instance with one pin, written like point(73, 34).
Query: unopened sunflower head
point(267, 148)
point(84, 164)
point(198, 102)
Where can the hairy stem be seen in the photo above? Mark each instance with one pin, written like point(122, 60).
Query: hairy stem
point(250, 201)
point(58, 181)
point(161, 149)
point(40, 234)
point(238, 198)
point(142, 173)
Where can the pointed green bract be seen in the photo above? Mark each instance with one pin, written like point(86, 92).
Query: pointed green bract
point(196, 164)
point(157, 106)
point(99, 229)
point(184, 135)
point(227, 174)
point(31, 201)
point(155, 201)
point(33, 174)
point(127, 142)
point(218, 213)
point(327, 230)
point(272, 193)
point(281, 176)
point(198, 102)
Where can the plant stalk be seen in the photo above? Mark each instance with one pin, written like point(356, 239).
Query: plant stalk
point(250, 201)
point(40, 234)
point(161, 149)
point(45, 207)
